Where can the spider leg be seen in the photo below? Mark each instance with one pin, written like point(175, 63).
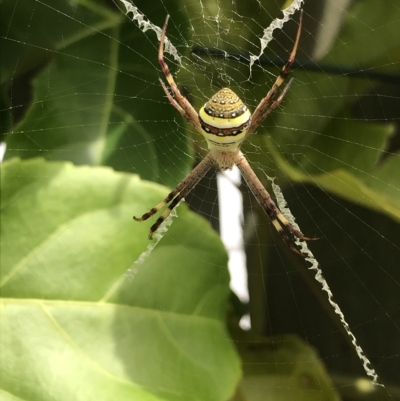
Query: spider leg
point(262, 110)
point(276, 103)
point(171, 99)
point(180, 102)
point(180, 191)
point(264, 199)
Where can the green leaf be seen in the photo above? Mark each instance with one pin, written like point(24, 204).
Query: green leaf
point(345, 160)
point(284, 367)
point(98, 99)
point(33, 32)
point(367, 26)
point(79, 319)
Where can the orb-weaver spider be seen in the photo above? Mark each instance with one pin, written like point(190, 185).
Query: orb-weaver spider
point(225, 122)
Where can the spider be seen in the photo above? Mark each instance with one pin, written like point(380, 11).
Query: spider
point(225, 122)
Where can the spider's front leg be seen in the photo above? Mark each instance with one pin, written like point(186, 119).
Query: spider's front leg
point(269, 206)
point(177, 194)
point(155, 209)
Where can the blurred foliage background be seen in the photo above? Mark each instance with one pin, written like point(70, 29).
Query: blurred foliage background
point(82, 113)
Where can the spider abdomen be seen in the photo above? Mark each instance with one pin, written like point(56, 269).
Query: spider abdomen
point(224, 120)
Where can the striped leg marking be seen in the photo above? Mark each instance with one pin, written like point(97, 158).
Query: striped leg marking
point(262, 110)
point(264, 199)
point(180, 191)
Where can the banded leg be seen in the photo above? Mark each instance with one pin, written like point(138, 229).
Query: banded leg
point(180, 102)
point(269, 206)
point(262, 110)
point(180, 191)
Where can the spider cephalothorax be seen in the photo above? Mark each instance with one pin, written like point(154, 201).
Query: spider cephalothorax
point(225, 122)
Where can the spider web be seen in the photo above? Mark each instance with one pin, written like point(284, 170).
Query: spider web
point(329, 154)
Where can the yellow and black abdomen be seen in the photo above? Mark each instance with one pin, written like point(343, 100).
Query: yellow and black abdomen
point(224, 120)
